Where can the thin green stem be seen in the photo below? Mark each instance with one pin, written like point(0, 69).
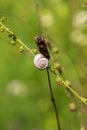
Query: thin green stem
point(27, 48)
point(53, 101)
point(82, 99)
point(38, 16)
point(66, 85)
point(17, 39)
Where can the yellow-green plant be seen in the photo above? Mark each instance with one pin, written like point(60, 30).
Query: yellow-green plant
point(55, 68)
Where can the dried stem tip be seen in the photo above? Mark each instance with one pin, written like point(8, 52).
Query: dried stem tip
point(42, 46)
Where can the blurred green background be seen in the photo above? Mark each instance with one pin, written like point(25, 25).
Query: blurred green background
point(24, 93)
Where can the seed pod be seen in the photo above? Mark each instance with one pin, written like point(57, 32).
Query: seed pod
point(21, 49)
point(68, 83)
point(35, 51)
point(72, 107)
point(42, 46)
point(11, 34)
point(13, 42)
point(59, 82)
point(2, 19)
point(1, 29)
point(55, 50)
point(58, 67)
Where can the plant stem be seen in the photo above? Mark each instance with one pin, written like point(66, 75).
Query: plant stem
point(27, 48)
point(84, 100)
point(17, 39)
point(38, 16)
point(53, 101)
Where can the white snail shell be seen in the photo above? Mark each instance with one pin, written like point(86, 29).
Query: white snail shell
point(40, 61)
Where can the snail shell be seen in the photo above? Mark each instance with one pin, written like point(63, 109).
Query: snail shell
point(40, 61)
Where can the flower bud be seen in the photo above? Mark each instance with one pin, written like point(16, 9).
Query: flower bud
point(1, 29)
point(59, 82)
point(2, 19)
point(21, 49)
point(11, 34)
point(13, 42)
point(55, 50)
point(68, 83)
point(72, 107)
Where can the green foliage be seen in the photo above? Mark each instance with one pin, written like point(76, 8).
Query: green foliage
point(24, 93)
